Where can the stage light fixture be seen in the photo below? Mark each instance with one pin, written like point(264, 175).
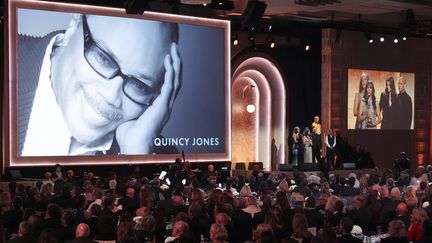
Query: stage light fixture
point(382, 39)
point(307, 47)
point(395, 40)
point(371, 41)
point(252, 14)
point(404, 38)
point(270, 42)
point(235, 40)
point(252, 38)
point(221, 4)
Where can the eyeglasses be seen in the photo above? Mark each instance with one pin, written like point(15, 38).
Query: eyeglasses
point(103, 64)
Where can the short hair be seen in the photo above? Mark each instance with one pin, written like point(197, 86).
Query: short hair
point(125, 229)
point(339, 205)
point(346, 224)
point(108, 201)
point(218, 232)
point(310, 202)
point(95, 209)
point(179, 228)
point(222, 218)
point(266, 237)
point(148, 223)
point(396, 228)
point(54, 211)
point(25, 228)
point(195, 209)
point(263, 228)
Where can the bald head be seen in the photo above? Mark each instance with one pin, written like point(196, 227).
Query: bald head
point(82, 231)
point(179, 228)
point(130, 192)
point(222, 218)
point(25, 228)
point(401, 209)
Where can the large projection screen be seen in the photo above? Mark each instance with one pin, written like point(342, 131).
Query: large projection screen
point(93, 85)
point(382, 100)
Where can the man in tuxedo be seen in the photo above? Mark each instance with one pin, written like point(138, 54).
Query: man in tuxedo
point(80, 92)
point(403, 107)
point(82, 234)
point(129, 203)
point(346, 225)
point(24, 234)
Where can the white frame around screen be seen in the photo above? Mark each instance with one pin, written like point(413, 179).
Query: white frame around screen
point(10, 106)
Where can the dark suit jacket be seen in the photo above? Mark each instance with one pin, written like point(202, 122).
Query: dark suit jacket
point(403, 111)
point(23, 239)
point(81, 240)
point(394, 240)
point(349, 239)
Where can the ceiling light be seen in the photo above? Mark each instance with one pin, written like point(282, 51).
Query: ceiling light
point(382, 39)
point(307, 47)
point(404, 38)
point(395, 40)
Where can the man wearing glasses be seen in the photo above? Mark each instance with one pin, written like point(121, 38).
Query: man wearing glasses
point(104, 79)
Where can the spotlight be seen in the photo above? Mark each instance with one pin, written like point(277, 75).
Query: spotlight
point(235, 40)
point(221, 4)
point(307, 47)
point(404, 38)
point(250, 108)
point(395, 40)
point(382, 39)
point(270, 42)
point(368, 37)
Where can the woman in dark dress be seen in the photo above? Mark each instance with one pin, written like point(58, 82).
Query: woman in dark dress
point(387, 99)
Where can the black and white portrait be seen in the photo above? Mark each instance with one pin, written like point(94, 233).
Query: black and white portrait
point(111, 85)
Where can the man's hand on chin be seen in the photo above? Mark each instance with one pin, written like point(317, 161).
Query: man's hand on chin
point(136, 136)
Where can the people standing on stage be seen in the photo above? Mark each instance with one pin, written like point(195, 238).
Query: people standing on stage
point(370, 114)
point(316, 146)
point(59, 179)
point(364, 77)
point(387, 99)
point(307, 146)
point(403, 107)
point(330, 141)
point(316, 125)
point(274, 155)
point(296, 145)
